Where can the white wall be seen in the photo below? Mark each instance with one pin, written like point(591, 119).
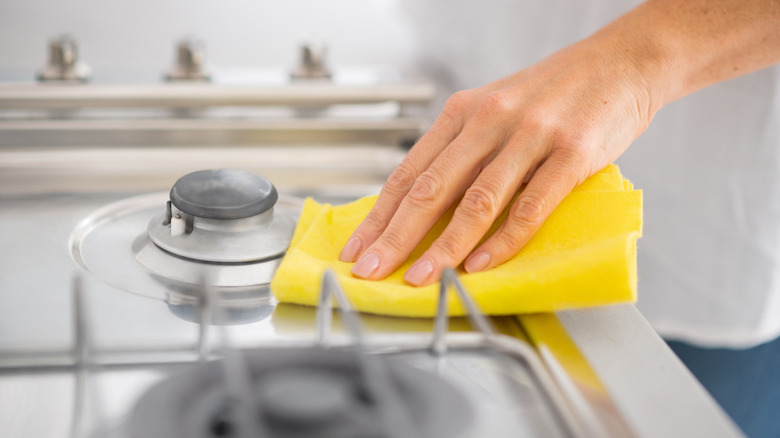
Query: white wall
point(134, 39)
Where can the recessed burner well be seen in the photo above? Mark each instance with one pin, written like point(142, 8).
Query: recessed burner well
point(303, 393)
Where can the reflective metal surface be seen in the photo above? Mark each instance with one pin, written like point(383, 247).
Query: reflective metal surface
point(189, 62)
point(111, 243)
point(264, 236)
point(227, 194)
point(223, 216)
point(186, 95)
point(653, 391)
point(333, 174)
point(312, 63)
point(80, 365)
point(64, 64)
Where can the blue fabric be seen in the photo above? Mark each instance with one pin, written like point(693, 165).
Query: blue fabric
point(746, 383)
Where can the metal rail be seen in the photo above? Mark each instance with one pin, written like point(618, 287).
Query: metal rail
point(47, 96)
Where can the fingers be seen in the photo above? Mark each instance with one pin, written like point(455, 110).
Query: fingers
point(431, 194)
point(554, 179)
point(480, 206)
point(419, 158)
point(398, 184)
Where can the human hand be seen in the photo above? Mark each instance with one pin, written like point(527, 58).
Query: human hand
point(550, 126)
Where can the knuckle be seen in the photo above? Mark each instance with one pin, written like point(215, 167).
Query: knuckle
point(574, 161)
point(509, 241)
point(427, 189)
point(573, 144)
point(528, 210)
point(456, 105)
point(448, 247)
point(402, 178)
point(373, 222)
point(573, 155)
point(393, 241)
point(459, 99)
point(496, 103)
point(573, 136)
point(480, 202)
point(537, 122)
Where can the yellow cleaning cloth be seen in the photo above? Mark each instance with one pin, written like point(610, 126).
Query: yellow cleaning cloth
point(583, 255)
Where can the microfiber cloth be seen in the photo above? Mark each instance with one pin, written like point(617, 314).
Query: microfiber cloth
point(583, 255)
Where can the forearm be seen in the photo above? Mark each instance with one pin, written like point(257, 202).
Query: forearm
point(680, 46)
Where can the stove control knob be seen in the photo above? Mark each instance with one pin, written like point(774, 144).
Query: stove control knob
point(223, 194)
point(312, 64)
point(190, 62)
point(64, 64)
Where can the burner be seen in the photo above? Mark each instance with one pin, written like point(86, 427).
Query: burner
point(223, 216)
point(303, 393)
point(223, 220)
point(229, 227)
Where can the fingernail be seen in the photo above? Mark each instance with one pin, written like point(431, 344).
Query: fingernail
point(477, 262)
point(351, 250)
point(419, 272)
point(366, 265)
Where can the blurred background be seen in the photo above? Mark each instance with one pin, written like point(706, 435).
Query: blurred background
point(128, 95)
point(134, 40)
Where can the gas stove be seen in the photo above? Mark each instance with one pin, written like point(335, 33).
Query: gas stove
point(134, 301)
point(209, 253)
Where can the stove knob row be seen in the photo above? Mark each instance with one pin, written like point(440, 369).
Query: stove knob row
point(189, 62)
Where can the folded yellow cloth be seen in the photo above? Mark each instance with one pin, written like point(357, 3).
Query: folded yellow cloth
point(583, 255)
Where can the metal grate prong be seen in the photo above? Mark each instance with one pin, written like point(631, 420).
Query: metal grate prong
point(396, 420)
point(477, 319)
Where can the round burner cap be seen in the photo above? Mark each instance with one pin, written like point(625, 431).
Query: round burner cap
point(223, 194)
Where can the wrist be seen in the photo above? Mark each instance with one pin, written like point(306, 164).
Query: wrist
point(645, 58)
point(678, 47)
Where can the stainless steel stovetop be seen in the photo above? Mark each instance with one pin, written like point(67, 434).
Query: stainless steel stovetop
point(80, 353)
